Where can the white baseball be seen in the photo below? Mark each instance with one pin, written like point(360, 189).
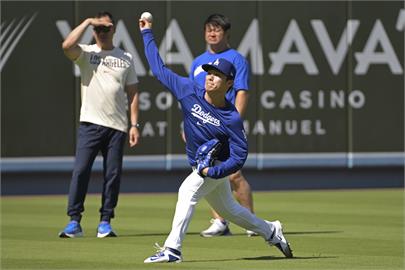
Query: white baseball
point(147, 16)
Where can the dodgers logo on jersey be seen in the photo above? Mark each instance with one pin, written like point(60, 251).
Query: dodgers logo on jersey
point(206, 117)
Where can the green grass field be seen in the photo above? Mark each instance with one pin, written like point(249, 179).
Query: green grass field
point(354, 229)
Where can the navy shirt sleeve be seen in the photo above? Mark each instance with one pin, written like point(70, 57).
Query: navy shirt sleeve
point(238, 152)
point(179, 86)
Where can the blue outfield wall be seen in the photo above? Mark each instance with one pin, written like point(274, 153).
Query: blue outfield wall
point(254, 161)
point(44, 183)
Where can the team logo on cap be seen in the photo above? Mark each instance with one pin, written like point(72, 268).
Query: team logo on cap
point(216, 63)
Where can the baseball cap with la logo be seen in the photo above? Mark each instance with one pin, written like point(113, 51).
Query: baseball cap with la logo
point(223, 66)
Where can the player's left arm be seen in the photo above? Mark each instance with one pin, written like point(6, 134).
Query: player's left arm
point(238, 150)
point(133, 101)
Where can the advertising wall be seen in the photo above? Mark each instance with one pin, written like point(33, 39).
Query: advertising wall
point(327, 78)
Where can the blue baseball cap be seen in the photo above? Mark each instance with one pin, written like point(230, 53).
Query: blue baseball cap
point(223, 66)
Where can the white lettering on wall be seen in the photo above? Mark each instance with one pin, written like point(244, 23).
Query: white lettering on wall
point(370, 56)
point(164, 101)
point(284, 56)
point(144, 101)
point(357, 99)
point(334, 56)
point(123, 38)
point(252, 46)
point(304, 99)
point(174, 36)
point(401, 20)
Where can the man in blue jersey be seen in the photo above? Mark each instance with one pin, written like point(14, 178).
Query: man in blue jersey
point(207, 115)
point(216, 32)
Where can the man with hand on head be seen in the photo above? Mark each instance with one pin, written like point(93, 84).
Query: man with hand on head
point(217, 29)
point(108, 88)
point(216, 147)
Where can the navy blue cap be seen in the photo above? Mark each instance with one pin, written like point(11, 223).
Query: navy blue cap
point(221, 65)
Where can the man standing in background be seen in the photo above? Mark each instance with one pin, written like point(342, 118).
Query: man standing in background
point(108, 88)
point(217, 32)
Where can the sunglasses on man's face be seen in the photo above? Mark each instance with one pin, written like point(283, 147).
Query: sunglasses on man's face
point(104, 29)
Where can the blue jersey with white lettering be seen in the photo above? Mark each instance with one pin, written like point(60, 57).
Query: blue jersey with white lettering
point(202, 121)
point(241, 81)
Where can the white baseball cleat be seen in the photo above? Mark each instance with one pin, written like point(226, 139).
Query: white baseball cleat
point(277, 238)
point(164, 255)
point(218, 228)
point(251, 233)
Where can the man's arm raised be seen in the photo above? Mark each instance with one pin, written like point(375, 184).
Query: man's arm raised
point(70, 44)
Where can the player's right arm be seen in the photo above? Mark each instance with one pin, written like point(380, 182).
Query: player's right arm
point(178, 85)
point(70, 45)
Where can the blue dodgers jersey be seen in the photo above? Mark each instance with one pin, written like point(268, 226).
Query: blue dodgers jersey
point(202, 121)
point(241, 65)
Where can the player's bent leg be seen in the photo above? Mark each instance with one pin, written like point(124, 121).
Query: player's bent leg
point(193, 188)
point(222, 201)
point(243, 194)
point(190, 192)
point(219, 226)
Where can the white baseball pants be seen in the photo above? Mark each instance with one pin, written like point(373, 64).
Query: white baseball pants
point(218, 194)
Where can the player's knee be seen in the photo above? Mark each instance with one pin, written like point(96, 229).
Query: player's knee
point(237, 178)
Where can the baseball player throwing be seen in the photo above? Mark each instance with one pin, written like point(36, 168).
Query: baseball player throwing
point(216, 147)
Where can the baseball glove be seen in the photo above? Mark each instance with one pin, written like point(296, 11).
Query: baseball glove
point(206, 154)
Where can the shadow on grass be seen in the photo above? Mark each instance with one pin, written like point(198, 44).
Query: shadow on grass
point(265, 258)
point(292, 233)
point(144, 234)
point(234, 234)
point(312, 232)
point(154, 234)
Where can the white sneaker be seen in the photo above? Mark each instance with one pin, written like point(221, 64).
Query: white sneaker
point(251, 233)
point(218, 228)
point(277, 239)
point(164, 255)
